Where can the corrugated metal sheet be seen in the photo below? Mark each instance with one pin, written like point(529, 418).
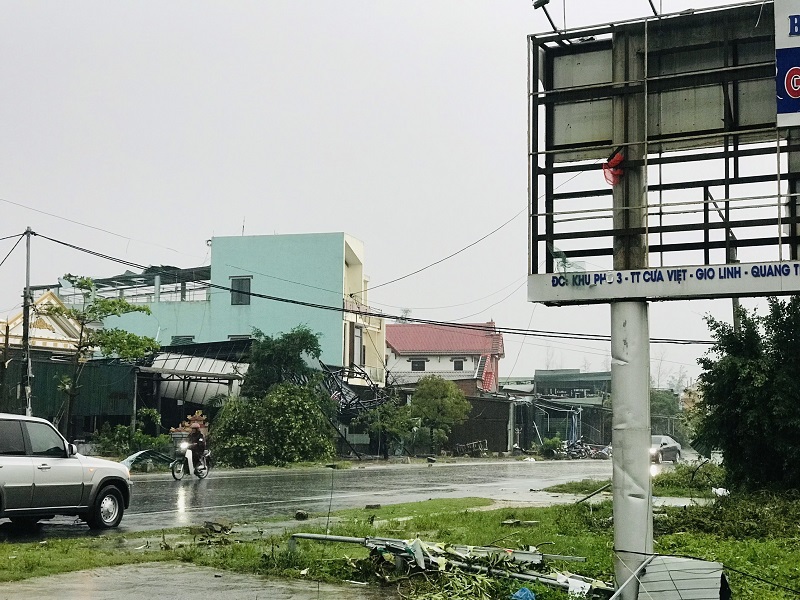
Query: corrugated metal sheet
point(105, 388)
point(180, 385)
point(675, 578)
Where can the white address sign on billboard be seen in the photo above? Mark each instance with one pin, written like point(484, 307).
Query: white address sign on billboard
point(666, 283)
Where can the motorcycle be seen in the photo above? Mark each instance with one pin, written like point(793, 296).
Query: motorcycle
point(180, 465)
point(576, 449)
point(603, 453)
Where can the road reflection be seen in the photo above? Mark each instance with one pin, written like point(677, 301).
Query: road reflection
point(256, 495)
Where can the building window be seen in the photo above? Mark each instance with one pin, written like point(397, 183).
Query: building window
point(458, 365)
point(358, 346)
point(417, 365)
point(181, 340)
point(240, 291)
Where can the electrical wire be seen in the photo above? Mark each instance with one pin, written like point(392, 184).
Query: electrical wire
point(477, 327)
point(8, 237)
point(449, 256)
point(82, 224)
point(12, 248)
point(522, 345)
point(441, 260)
point(295, 282)
point(74, 222)
point(502, 289)
point(514, 291)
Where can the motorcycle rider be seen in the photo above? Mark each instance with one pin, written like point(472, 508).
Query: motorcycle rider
point(197, 445)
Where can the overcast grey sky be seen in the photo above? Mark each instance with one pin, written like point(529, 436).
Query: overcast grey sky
point(146, 128)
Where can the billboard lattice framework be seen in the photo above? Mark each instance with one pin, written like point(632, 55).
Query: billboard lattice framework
point(655, 154)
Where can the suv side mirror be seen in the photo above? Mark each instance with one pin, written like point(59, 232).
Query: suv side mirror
point(72, 449)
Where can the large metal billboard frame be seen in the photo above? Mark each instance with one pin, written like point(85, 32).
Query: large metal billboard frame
point(660, 171)
point(679, 113)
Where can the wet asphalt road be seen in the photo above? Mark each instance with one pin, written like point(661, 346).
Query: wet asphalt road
point(251, 495)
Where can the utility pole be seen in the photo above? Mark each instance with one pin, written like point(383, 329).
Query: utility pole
point(26, 326)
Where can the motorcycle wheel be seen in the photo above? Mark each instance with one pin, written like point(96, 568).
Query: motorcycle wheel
point(178, 469)
point(202, 469)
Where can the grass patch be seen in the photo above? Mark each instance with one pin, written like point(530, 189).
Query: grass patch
point(689, 480)
point(584, 487)
point(35, 559)
point(415, 509)
point(686, 480)
point(757, 534)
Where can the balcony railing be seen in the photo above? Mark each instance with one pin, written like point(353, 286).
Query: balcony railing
point(354, 311)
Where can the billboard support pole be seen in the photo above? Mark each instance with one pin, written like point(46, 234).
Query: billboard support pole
point(630, 339)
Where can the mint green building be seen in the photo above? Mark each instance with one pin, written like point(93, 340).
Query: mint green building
point(270, 282)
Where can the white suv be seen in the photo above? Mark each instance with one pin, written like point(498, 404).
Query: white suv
point(42, 475)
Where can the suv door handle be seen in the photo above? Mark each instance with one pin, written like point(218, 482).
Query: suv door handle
point(44, 467)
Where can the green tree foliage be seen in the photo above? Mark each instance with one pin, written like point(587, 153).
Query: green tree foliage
point(666, 416)
point(277, 359)
point(664, 402)
point(750, 388)
point(391, 422)
point(288, 424)
point(93, 337)
point(439, 404)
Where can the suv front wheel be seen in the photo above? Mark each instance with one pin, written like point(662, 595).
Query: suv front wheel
point(106, 512)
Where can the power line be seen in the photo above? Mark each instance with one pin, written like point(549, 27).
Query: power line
point(479, 240)
point(449, 256)
point(8, 237)
point(14, 247)
point(477, 327)
point(82, 224)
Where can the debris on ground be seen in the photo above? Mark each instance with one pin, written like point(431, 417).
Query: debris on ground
point(409, 556)
point(523, 594)
point(219, 526)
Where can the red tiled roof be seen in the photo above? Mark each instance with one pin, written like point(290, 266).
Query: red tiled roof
point(421, 338)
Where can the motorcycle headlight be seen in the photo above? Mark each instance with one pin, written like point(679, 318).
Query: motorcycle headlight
point(652, 450)
point(184, 445)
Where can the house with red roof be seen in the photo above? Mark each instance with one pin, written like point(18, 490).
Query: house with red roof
point(466, 353)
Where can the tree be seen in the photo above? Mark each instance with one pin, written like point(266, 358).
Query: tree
point(391, 423)
point(288, 424)
point(666, 416)
point(277, 359)
point(750, 385)
point(93, 337)
point(439, 405)
point(677, 381)
point(282, 415)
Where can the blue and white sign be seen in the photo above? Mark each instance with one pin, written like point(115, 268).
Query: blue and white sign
point(787, 62)
point(666, 283)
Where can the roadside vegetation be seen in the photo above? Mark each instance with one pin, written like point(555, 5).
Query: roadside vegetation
point(685, 480)
point(749, 389)
point(120, 441)
point(753, 535)
point(425, 423)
